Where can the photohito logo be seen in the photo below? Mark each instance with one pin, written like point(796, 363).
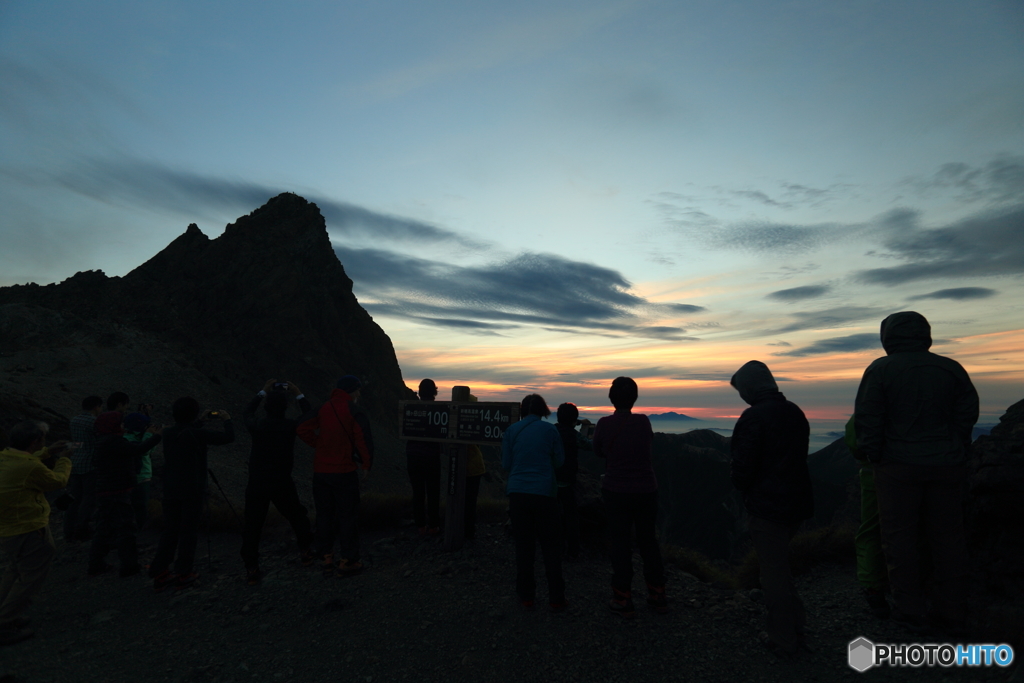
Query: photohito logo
point(863, 654)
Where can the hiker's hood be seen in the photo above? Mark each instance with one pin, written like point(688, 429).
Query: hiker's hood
point(906, 331)
point(754, 381)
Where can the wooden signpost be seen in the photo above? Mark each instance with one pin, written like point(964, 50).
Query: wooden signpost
point(456, 423)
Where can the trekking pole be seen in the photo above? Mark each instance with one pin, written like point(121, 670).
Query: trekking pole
point(226, 499)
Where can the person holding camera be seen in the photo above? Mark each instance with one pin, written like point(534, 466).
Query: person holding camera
point(117, 464)
point(340, 433)
point(185, 473)
point(270, 473)
point(26, 545)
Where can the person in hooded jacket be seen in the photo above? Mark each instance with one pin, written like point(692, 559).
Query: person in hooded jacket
point(769, 467)
point(117, 462)
point(914, 416)
point(270, 473)
point(341, 435)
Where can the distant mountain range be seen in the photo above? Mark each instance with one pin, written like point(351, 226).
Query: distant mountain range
point(672, 416)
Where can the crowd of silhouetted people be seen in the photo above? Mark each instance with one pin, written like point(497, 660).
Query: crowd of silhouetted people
point(911, 431)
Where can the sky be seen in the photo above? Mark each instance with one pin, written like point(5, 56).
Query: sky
point(542, 196)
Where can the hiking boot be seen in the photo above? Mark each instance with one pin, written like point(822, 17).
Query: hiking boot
point(434, 531)
point(527, 604)
point(253, 576)
point(307, 557)
point(877, 603)
point(559, 606)
point(163, 580)
point(349, 567)
point(327, 565)
point(14, 635)
point(186, 581)
point(622, 604)
point(656, 599)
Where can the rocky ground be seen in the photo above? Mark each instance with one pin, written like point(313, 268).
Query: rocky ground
point(420, 614)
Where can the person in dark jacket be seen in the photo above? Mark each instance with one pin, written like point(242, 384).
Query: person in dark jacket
point(117, 465)
point(568, 415)
point(341, 435)
point(769, 466)
point(424, 464)
point(913, 419)
point(184, 485)
point(630, 492)
point(270, 473)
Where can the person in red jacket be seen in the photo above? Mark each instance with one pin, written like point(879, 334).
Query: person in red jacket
point(343, 442)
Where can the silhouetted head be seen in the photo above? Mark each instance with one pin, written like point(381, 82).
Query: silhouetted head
point(277, 404)
point(427, 390)
point(28, 436)
point(118, 401)
point(185, 410)
point(534, 404)
point(136, 422)
point(754, 381)
point(568, 413)
point(623, 393)
point(349, 384)
point(92, 404)
point(905, 331)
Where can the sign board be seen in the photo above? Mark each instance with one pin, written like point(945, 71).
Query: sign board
point(456, 421)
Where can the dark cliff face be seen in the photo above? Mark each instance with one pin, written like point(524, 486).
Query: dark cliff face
point(268, 298)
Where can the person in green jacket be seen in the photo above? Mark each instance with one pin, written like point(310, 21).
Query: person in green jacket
point(26, 544)
point(913, 418)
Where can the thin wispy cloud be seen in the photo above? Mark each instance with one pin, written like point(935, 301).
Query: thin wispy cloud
point(830, 318)
point(524, 39)
point(958, 294)
point(529, 289)
point(153, 186)
point(800, 293)
point(848, 344)
point(983, 245)
point(1000, 180)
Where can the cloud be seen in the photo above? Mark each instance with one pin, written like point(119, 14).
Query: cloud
point(685, 308)
point(1000, 180)
point(958, 293)
point(848, 344)
point(152, 186)
point(983, 245)
point(779, 343)
point(800, 293)
point(529, 289)
point(830, 318)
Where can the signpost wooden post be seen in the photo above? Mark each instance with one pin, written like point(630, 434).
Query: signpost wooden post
point(456, 423)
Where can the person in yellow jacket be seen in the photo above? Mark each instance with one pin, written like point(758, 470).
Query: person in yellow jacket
point(26, 545)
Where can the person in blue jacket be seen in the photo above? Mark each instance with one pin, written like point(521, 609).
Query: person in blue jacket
point(531, 451)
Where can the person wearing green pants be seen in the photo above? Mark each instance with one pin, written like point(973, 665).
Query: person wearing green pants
point(871, 570)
